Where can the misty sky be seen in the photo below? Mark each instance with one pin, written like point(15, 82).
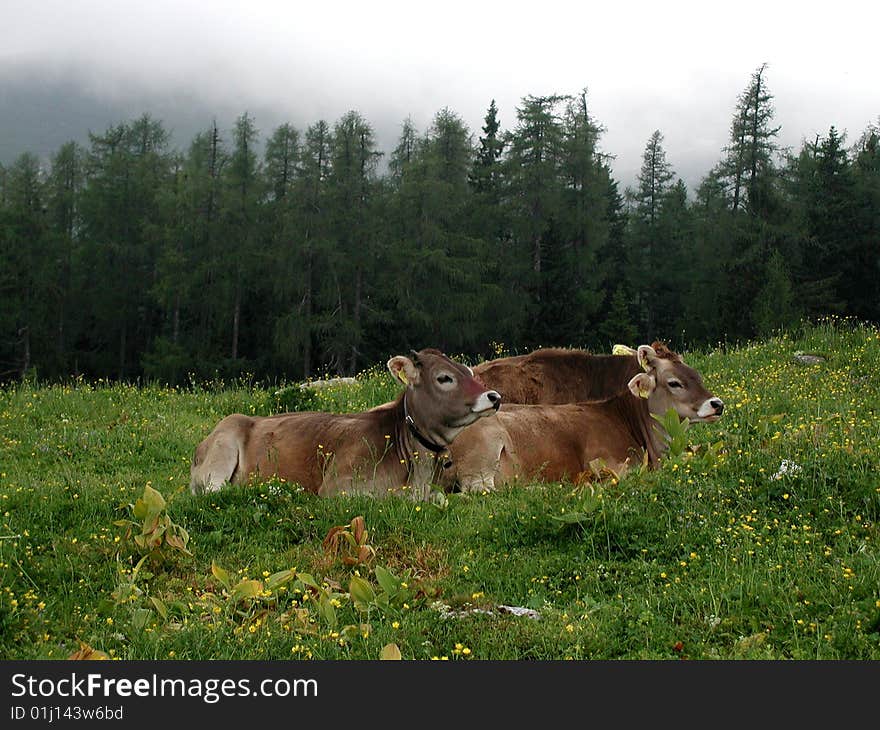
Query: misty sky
point(673, 66)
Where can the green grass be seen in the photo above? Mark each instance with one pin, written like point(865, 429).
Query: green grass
point(708, 557)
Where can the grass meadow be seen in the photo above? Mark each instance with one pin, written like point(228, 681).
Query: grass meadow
point(758, 541)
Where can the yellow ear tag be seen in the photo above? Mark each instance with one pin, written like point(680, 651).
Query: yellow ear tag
point(402, 376)
point(644, 393)
point(622, 350)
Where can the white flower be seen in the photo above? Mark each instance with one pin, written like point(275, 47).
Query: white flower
point(786, 468)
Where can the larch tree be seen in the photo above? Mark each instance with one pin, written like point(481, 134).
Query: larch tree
point(646, 241)
point(241, 216)
point(125, 168)
point(166, 356)
point(404, 152)
point(26, 267)
point(749, 165)
point(63, 189)
point(351, 188)
point(202, 236)
point(283, 166)
point(437, 261)
point(534, 198)
point(575, 275)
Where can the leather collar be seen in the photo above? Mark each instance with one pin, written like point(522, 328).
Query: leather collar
point(419, 436)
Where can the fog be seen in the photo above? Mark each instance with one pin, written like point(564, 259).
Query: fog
point(69, 68)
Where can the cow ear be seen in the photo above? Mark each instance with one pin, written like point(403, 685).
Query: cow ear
point(647, 357)
point(642, 385)
point(403, 369)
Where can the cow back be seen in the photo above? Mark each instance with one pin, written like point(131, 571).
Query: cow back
point(554, 376)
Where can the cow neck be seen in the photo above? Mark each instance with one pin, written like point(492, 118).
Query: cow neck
point(646, 430)
point(655, 435)
point(409, 450)
point(419, 436)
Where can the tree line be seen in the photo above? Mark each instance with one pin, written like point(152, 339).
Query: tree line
point(312, 251)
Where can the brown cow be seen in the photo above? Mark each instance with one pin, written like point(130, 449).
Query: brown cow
point(571, 376)
point(556, 442)
point(401, 444)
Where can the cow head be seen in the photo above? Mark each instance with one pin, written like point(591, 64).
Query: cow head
point(668, 383)
point(442, 396)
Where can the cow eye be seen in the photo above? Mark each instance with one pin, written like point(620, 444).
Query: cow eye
point(674, 384)
point(444, 378)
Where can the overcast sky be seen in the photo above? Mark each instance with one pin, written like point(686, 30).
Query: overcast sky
point(673, 66)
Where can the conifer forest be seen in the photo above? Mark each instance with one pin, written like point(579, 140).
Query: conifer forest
point(294, 252)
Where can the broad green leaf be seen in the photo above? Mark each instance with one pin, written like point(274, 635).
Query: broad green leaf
point(247, 588)
point(390, 652)
point(140, 509)
point(280, 578)
point(307, 579)
point(327, 610)
point(149, 505)
point(137, 568)
point(139, 618)
point(389, 583)
point(361, 591)
point(160, 606)
point(153, 499)
point(221, 575)
point(151, 524)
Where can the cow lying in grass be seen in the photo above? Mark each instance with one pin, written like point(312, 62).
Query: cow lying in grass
point(564, 441)
point(399, 445)
point(571, 376)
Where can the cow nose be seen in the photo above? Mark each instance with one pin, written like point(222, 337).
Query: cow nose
point(494, 398)
point(718, 405)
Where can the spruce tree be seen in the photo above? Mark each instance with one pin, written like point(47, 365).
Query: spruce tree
point(774, 307)
point(862, 260)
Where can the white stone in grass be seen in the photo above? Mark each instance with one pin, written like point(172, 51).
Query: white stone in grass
point(808, 358)
point(327, 383)
point(447, 611)
point(520, 611)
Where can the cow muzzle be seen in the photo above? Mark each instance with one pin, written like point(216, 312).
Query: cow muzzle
point(490, 400)
point(710, 411)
